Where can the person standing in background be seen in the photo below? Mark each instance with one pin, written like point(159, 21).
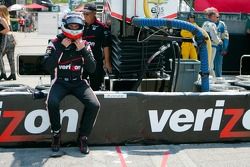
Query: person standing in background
point(21, 22)
point(33, 21)
point(7, 44)
point(99, 38)
point(188, 50)
point(221, 49)
point(210, 27)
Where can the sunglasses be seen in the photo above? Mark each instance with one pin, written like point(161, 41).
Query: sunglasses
point(86, 14)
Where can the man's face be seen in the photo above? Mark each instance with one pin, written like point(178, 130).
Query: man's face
point(191, 19)
point(89, 17)
point(73, 26)
point(217, 16)
point(213, 18)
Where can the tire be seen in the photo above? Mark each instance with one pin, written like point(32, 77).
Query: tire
point(231, 79)
point(43, 87)
point(219, 81)
point(244, 84)
point(225, 88)
point(14, 88)
point(243, 77)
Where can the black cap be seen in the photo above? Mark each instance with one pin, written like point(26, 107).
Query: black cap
point(89, 7)
point(191, 15)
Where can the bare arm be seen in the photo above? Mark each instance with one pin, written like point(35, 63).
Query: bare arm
point(107, 59)
point(5, 25)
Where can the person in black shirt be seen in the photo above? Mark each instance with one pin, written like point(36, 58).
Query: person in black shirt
point(68, 57)
point(98, 36)
point(7, 44)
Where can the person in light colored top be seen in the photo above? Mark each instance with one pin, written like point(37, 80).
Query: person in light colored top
point(210, 27)
point(221, 49)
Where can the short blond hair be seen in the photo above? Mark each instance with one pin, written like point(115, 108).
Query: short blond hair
point(211, 9)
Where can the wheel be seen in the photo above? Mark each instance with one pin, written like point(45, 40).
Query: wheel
point(14, 87)
point(244, 84)
point(43, 87)
point(225, 88)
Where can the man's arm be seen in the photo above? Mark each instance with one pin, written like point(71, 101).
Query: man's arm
point(107, 59)
point(248, 26)
point(53, 54)
point(5, 25)
point(225, 39)
point(107, 43)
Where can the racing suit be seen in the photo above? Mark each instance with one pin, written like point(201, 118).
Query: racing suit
point(188, 50)
point(98, 37)
point(211, 29)
point(221, 49)
point(67, 65)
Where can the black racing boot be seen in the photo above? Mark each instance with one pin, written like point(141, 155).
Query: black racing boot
point(56, 141)
point(12, 76)
point(84, 148)
point(3, 76)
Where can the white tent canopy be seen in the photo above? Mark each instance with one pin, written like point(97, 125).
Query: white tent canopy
point(15, 7)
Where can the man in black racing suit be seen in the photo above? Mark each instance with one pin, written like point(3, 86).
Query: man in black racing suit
point(99, 37)
point(68, 57)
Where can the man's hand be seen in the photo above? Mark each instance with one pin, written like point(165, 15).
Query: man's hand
point(221, 42)
point(80, 44)
point(108, 67)
point(248, 31)
point(66, 42)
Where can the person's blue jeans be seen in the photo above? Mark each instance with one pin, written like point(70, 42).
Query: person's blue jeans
point(218, 62)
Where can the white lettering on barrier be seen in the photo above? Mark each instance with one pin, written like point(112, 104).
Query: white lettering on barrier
point(157, 126)
point(201, 116)
point(246, 120)
point(30, 120)
point(115, 96)
point(216, 119)
point(72, 116)
point(218, 112)
point(183, 119)
point(215, 114)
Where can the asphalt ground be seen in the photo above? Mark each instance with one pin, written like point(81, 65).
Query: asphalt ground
point(181, 155)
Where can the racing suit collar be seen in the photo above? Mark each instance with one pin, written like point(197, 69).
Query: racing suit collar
point(60, 36)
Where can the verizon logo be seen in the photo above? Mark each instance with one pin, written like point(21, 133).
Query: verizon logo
point(69, 67)
point(183, 120)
